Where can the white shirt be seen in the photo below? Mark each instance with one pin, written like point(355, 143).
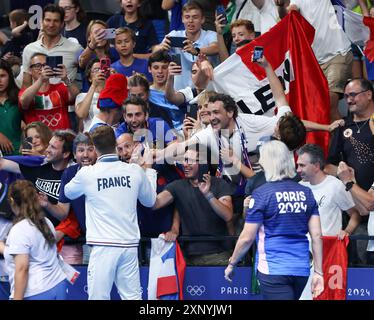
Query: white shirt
point(67, 49)
point(112, 189)
point(252, 126)
point(5, 226)
point(44, 269)
point(206, 39)
point(330, 39)
point(250, 12)
point(269, 16)
point(92, 112)
point(188, 94)
point(332, 199)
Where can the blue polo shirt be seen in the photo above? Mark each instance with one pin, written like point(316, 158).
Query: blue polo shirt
point(139, 65)
point(282, 209)
point(176, 114)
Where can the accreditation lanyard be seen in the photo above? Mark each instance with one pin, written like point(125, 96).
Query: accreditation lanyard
point(243, 142)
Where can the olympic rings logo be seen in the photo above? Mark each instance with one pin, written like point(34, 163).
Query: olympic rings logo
point(51, 120)
point(196, 290)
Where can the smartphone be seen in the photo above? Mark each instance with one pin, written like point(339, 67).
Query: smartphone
point(221, 10)
point(177, 42)
point(54, 61)
point(110, 33)
point(176, 58)
point(27, 143)
point(192, 110)
point(203, 169)
point(258, 53)
point(105, 66)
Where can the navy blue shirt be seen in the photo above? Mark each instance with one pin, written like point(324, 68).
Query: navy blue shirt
point(78, 204)
point(154, 222)
point(144, 30)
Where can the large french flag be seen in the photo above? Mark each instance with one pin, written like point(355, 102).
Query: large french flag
point(166, 271)
point(359, 30)
point(287, 46)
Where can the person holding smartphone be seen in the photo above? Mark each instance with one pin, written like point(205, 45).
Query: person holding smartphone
point(146, 38)
point(47, 102)
point(205, 207)
point(38, 136)
point(198, 41)
point(242, 32)
point(97, 47)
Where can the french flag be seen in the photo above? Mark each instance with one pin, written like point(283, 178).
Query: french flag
point(166, 271)
point(287, 47)
point(359, 30)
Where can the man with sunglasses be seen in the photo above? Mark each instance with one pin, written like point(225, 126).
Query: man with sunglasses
point(353, 143)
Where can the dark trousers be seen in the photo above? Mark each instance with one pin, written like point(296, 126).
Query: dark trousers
point(274, 287)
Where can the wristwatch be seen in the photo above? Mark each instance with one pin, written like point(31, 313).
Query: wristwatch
point(349, 185)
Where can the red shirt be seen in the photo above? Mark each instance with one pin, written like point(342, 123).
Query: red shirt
point(49, 107)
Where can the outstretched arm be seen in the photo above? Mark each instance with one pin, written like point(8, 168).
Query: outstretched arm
point(275, 84)
point(163, 199)
point(9, 165)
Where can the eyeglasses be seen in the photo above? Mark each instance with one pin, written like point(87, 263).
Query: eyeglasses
point(38, 66)
point(353, 94)
point(67, 8)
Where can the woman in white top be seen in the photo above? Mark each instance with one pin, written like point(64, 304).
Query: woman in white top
point(86, 102)
point(30, 250)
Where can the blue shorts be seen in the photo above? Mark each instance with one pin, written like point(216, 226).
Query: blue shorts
point(274, 287)
point(58, 292)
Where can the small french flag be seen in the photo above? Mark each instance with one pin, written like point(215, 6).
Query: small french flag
point(166, 271)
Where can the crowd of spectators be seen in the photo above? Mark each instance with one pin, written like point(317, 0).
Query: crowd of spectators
point(131, 74)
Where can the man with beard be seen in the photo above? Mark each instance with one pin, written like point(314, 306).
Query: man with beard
point(47, 177)
point(151, 223)
point(85, 155)
point(233, 136)
point(205, 208)
point(153, 132)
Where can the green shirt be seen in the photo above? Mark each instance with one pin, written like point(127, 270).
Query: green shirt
point(10, 124)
